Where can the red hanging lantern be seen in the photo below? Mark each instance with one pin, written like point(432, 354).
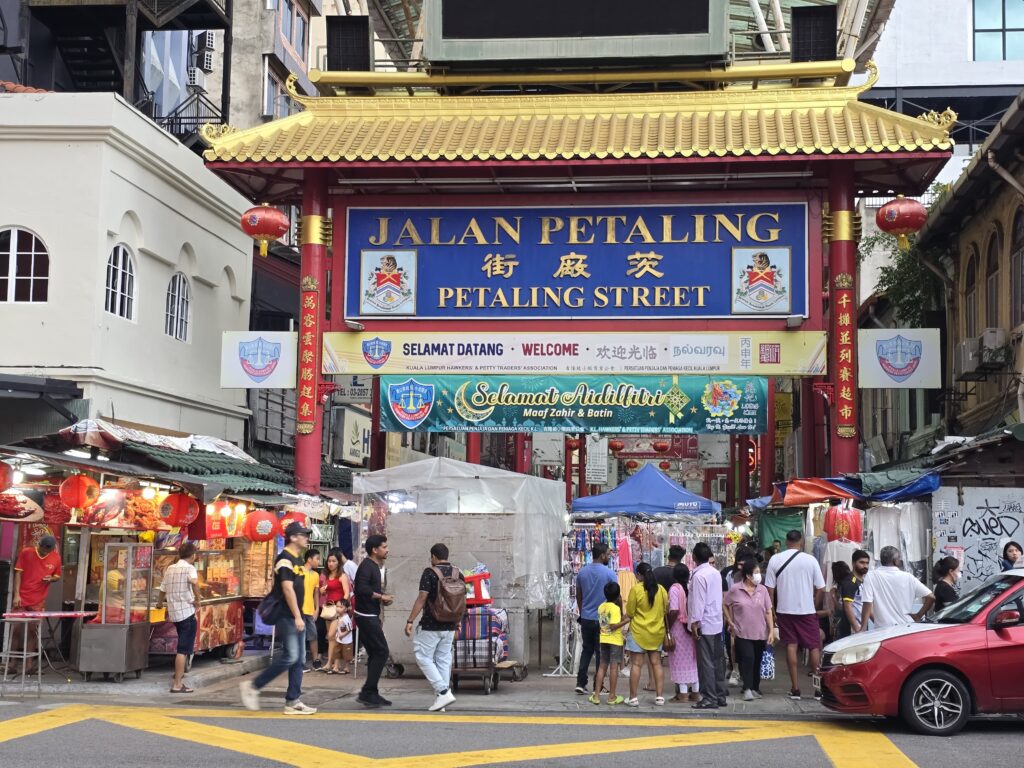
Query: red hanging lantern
point(265, 224)
point(179, 510)
point(572, 443)
point(294, 517)
point(665, 465)
point(901, 217)
point(632, 464)
point(6, 476)
point(661, 446)
point(261, 525)
point(616, 445)
point(79, 492)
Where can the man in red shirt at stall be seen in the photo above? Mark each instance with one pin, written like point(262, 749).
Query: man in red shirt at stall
point(36, 569)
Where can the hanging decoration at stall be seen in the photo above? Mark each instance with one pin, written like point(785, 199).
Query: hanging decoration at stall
point(265, 224)
point(901, 217)
point(261, 525)
point(178, 510)
point(617, 404)
point(665, 465)
point(79, 492)
point(294, 517)
point(643, 447)
point(615, 445)
point(844, 313)
point(6, 476)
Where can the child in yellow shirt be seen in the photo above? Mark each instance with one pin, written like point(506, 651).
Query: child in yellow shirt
point(611, 619)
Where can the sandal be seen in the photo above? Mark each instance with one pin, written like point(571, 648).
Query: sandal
point(705, 705)
point(331, 672)
point(659, 700)
point(183, 689)
point(342, 671)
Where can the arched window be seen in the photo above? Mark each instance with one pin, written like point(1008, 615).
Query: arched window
point(120, 298)
point(179, 299)
point(971, 297)
point(24, 267)
point(992, 282)
point(1017, 268)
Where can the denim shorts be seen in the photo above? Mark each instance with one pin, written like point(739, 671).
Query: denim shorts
point(632, 647)
point(310, 629)
point(611, 654)
point(187, 635)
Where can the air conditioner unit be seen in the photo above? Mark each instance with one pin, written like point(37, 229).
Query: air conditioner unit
point(207, 41)
point(196, 78)
point(994, 338)
point(965, 359)
point(204, 61)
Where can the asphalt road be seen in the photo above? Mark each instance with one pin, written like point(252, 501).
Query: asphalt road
point(194, 735)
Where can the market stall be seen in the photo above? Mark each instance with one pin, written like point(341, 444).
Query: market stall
point(506, 523)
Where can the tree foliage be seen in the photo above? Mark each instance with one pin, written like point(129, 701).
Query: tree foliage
point(905, 281)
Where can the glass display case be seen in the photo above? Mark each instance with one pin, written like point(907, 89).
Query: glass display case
point(117, 640)
point(220, 601)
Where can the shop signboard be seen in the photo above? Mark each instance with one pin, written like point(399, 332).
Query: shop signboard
point(596, 470)
point(353, 389)
point(646, 447)
point(899, 358)
point(258, 359)
point(700, 261)
point(352, 440)
point(758, 353)
point(605, 404)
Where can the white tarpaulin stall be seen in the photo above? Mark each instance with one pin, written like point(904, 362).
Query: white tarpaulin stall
point(509, 522)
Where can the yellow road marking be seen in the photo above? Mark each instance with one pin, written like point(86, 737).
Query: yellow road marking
point(850, 745)
point(267, 747)
point(40, 722)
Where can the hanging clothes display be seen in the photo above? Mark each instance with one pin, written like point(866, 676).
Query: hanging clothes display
point(774, 527)
point(843, 522)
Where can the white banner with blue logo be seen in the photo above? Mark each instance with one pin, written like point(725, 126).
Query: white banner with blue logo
point(899, 358)
point(258, 360)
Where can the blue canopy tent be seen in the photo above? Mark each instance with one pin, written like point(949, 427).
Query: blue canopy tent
point(648, 493)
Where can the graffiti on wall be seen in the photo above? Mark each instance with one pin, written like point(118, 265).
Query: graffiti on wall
point(973, 525)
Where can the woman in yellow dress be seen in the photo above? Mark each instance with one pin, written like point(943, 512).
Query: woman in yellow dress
point(647, 607)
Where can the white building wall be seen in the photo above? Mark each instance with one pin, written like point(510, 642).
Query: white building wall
point(86, 172)
point(944, 56)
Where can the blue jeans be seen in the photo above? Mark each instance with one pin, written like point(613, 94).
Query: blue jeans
point(434, 656)
point(292, 658)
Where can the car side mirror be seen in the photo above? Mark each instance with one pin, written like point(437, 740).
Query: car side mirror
point(1006, 619)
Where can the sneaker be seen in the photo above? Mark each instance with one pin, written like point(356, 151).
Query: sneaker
point(442, 701)
point(581, 690)
point(298, 708)
point(817, 695)
point(613, 700)
point(250, 696)
point(632, 702)
point(594, 698)
point(734, 679)
point(318, 665)
point(748, 695)
point(367, 702)
point(307, 668)
point(794, 694)
point(757, 694)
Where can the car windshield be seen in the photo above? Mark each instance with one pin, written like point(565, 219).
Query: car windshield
point(973, 603)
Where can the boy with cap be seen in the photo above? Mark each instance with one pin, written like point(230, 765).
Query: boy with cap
point(290, 625)
point(35, 570)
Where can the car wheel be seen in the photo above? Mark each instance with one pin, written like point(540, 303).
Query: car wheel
point(935, 702)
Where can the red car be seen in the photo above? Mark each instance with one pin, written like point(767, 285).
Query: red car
point(968, 660)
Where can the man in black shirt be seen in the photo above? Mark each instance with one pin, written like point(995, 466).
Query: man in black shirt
point(433, 640)
point(290, 625)
point(369, 594)
point(663, 573)
point(849, 595)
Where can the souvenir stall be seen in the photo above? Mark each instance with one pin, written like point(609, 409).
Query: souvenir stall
point(505, 524)
point(639, 519)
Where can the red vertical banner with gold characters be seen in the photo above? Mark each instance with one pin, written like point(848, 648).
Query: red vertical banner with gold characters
point(844, 313)
point(309, 335)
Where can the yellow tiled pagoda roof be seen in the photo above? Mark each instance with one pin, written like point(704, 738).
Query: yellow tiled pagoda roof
point(723, 123)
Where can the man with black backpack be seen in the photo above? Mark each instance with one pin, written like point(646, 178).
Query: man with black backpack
point(442, 599)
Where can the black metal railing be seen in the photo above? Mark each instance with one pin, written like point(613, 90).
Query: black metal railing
point(185, 120)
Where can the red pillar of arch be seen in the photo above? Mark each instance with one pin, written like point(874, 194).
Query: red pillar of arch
point(312, 307)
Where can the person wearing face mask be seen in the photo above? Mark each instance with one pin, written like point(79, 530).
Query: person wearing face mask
point(748, 612)
point(946, 574)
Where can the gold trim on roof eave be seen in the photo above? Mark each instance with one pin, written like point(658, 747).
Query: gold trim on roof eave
point(732, 123)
